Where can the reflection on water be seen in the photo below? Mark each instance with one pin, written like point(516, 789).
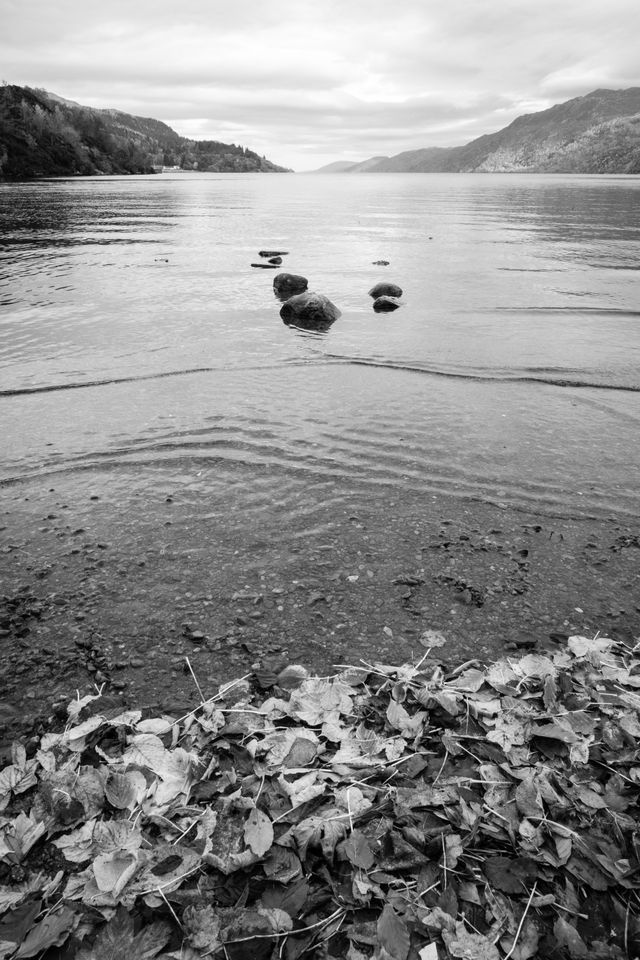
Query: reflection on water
point(520, 310)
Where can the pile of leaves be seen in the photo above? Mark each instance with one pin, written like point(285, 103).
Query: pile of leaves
point(387, 812)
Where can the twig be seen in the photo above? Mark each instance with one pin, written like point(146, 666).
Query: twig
point(173, 913)
point(195, 680)
point(170, 882)
point(446, 757)
point(290, 933)
point(349, 811)
point(526, 909)
point(427, 889)
point(217, 696)
point(444, 862)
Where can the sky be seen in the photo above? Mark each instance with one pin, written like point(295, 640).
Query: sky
point(308, 82)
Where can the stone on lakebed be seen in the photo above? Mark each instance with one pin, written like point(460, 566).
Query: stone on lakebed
point(310, 311)
point(286, 284)
point(383, 289)
point(385, 304)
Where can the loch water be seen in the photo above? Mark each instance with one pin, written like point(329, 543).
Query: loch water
point(139, 347)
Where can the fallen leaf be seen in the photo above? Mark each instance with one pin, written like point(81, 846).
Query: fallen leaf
point(258, 832)
point(393, 933)
point(358, 850)
point(470, 946)
point(51, 931)
point(116, 940)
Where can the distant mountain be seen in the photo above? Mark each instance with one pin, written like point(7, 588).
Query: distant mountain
point(348, 166)
point(338, 166)
point(597, 133)
point(44, 135)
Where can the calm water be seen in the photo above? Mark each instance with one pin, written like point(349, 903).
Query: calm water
point(140, 348)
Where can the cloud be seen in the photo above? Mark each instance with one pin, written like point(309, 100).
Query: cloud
point(306, 83)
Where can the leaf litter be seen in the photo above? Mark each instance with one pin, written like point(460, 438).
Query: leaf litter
point(387, 812)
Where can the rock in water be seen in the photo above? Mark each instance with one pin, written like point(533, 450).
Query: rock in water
point(286, 284)
point(385, 304)
point(380, 263)
point(275, 260)
point(273, 253)
point(383, 289)
point(310, 311)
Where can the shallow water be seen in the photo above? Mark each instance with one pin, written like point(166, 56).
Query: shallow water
point(134, 331)
point(174, 457)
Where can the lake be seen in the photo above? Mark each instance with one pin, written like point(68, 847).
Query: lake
point(149, 387)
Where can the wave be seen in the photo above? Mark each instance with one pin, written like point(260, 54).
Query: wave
point(532, 375)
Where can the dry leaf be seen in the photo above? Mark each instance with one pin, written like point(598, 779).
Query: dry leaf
point(258, 832)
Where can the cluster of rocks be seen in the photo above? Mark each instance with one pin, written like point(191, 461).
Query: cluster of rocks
point(308, 310)
point(386, 297)
point(302, 307)
point(271, 259)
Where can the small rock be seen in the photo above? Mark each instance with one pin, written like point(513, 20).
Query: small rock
point(383, 289)
point(386, 304)
point(273, 253)
point(380, 263)
point(136, 663)
point(264, 266)
point(285, 285)
point(276, 261)
point(316, 597)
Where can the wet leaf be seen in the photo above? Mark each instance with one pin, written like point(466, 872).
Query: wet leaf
point(116, 940)
point(567, 936)
point(51, 931)
point(393, 934)
point(357, 849)
point(17, 923)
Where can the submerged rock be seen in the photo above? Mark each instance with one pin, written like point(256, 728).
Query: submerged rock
point(383, 289)
point(273, 253)
point(311, 311)
point(264, 266)
point(380, 263)
point(286, 284)
point(385, 304)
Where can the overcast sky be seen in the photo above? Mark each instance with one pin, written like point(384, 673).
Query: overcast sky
point(307, 82)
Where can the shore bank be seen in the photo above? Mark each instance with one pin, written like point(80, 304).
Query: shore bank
point(120, 593)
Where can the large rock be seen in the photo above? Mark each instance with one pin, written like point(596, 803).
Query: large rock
point(311, 311)
point(383, 289)
point(286, 284)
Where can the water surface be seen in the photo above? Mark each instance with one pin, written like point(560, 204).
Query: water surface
point(135, 331)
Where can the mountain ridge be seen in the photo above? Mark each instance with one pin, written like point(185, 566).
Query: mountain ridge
point(45, 135)
point(596, 133)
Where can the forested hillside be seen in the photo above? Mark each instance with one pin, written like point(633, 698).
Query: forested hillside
point(42, 135)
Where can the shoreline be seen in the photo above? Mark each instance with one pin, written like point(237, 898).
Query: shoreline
point(102, 592)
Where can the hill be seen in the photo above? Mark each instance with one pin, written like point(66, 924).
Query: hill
point(43, 135)
point(597, 133)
